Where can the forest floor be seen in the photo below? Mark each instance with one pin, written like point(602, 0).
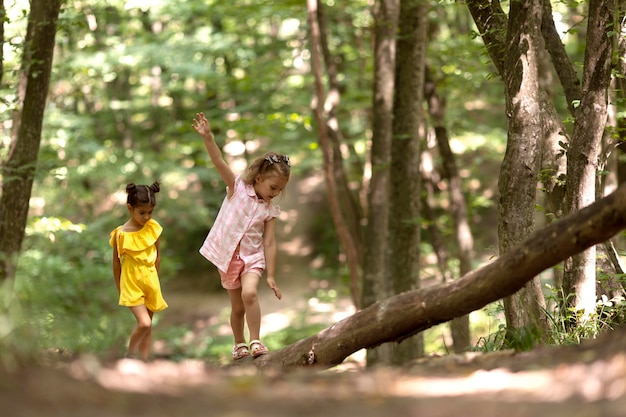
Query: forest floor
point(574, 381)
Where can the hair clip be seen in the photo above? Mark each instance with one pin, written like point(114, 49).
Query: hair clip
point(274, 159)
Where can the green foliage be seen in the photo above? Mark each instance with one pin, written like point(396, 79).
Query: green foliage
point(567, 325)
point(495, 338)
point(15, 336)
point(65, 282)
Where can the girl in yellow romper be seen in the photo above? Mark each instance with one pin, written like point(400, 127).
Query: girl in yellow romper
point(136, 263)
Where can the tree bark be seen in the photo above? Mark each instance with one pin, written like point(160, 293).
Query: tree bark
point(375, 284)
point(404, 228)
point(520, 168)
point(459, 326)
point(403, 315)
point(343, 209)
point(562, 64)
point(582, 156)
point(620, 93)
point(3, 13)
point(18, 172)
point(491, 22)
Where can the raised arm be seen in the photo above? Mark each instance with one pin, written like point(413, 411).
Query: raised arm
point(202, 126)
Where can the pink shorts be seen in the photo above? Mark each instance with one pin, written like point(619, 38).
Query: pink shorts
point(231, 279)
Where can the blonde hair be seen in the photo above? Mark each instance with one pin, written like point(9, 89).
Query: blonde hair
point(270, 163)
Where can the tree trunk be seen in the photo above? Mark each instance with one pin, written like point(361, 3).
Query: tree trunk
point(18, 172)
point(411, 312)
point(582, 156)
point(3, 13)
point(376, 260)
point(520, 168)
point(491, 22)
point(460, 326)
point(342, 208)
point(404, 228)
point(620, 93)
point(562, 64)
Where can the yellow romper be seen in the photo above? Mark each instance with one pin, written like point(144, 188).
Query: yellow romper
point(139, 281)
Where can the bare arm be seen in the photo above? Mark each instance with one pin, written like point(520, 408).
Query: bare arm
point(157, 263)
point(117, 265)
point(203, 127)
point(269, 245)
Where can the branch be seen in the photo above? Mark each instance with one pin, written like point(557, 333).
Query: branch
point(403, 315)
point(562, 64)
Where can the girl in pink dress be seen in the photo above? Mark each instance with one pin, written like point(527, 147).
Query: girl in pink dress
point(136, 262)
point(241, 243)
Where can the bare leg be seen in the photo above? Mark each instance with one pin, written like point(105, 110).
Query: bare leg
point(146, 342)
point(141, 336)
point(249, 284)
point(237, 313)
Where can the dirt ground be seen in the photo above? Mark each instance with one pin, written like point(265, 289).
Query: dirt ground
point(575, 381)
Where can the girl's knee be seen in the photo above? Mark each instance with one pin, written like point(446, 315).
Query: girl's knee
point(144, 325)
point(249, 297)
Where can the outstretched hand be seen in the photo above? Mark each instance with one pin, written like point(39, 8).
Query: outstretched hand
point(272, 284)
point(201, 125)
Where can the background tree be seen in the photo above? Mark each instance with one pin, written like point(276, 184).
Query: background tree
point(520, 168)
point(584, 151)
point(18, 170)
point(463, 239)
point(491, 22)
point(405, 190)
point(2, 19)
point(376, 274)
point(343, 207)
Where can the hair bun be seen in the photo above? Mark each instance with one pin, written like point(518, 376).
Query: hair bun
point(155, 187)
point(131, 188)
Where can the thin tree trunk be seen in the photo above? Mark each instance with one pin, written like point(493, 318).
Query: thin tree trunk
point(18, 173)
point(520, 168)
point(620, 92)
point(459, 326)
point(376, 260)
point(583, 153)
point(333, 172)
point(3, 13)
point(436, 240)
point(405, 155)
point(348, 199)
point(562, 64)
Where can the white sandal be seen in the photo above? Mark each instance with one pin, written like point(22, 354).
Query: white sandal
point(258, 348)
point(240, 350)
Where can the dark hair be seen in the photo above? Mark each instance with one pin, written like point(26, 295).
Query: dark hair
point(269, 163)
point(140, 195)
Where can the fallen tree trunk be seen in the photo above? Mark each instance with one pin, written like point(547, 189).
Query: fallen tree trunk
point(406, 314)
